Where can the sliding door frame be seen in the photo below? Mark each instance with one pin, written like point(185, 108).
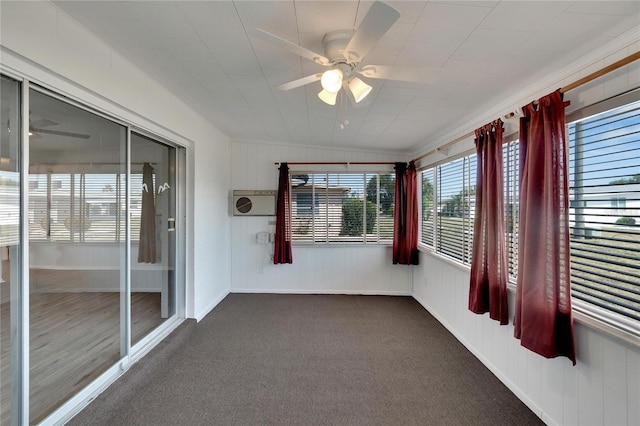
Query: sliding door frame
point(20, 374)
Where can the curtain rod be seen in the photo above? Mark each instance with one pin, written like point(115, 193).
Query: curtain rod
point(584, 80)
point(92, 164)
point(337, 163)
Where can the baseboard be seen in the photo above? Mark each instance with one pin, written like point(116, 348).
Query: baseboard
point(496, 372)
point(204, 312)
point(321, 291)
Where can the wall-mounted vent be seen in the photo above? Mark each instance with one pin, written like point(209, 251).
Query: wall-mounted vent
point(254, 203)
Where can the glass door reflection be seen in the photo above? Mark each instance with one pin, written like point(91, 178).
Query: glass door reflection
point(10, 129)
point(153, 239)
point(76, 250)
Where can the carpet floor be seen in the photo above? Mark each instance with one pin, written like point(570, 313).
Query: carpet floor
point(266, 359)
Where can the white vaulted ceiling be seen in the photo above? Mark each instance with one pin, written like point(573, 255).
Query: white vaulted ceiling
point(207, 53)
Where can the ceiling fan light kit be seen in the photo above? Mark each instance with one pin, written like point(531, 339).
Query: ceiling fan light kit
point(359, 89)
point(328, 97)
point(331, 80)
point(344, 52)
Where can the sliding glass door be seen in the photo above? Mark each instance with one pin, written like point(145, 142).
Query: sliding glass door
point(94, 211)
point(77, 249)
point(153, 237)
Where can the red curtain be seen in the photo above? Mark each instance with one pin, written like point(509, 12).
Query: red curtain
point(147, 240)
point(405, 217)
point(282, 246)
point(488, 284)
point(411, 234)
point(399, 213)
point(543, 320)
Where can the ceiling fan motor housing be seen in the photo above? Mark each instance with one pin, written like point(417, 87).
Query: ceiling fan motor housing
point(334, 44)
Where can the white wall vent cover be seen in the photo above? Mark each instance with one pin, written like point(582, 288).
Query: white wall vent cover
point(254, 203)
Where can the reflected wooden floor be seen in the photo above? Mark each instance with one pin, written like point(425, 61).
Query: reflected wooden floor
point(74, 337)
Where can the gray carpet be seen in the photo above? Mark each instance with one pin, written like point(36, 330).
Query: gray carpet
point(264, 359)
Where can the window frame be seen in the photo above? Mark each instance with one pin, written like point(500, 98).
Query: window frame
point(374, 238)
point(605, 320)
point(79, 204)
point(467, 246)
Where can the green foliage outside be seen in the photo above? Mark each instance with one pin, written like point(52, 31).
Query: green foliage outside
point(352, 216)
point(427, 199)
point(626, 220)
point(623, 181)
point(387, 192)
point(458, 205)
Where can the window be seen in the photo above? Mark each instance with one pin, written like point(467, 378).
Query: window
point(346, 207)
point(81, 206)
point(511, 189)
point(10, 204)
point(304, 206)
point(604, 175)
point(427, 210)
point(619, 203)
point(605, 210)
point(447, 223)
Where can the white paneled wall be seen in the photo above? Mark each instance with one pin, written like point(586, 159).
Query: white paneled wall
point(602, 389)
point(211, 224)
point(41, 43)
point(315, 269)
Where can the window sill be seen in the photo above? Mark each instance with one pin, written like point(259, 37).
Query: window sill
point(449, 260)
point(339, 243)
point(588, 315)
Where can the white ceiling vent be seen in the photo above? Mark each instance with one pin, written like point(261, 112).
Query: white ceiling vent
point(254, 203)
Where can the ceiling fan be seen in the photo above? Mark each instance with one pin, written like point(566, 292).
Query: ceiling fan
point(344, 51)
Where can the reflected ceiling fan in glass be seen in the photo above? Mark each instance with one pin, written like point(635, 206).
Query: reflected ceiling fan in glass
point(37, 127)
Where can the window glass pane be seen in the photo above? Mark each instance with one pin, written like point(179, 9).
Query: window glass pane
point(346, 208)
point(97, 201)
point(605, 210)
point(76, 257)
point(469, 194)
point(387, 207)
point(427, 207)
point(306, 203)
point(153, 278)
point(511, 203)
point(135, 196)
point(456, 204)
point(380, 198)
point(304, 212)
point(342, 207)
point(100, 213)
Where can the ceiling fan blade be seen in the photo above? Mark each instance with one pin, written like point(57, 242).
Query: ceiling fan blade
point(42, 122)
point(60, 133)
point(376, 22)
point(300, 82)
point(292, 47)
point(413, 74)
